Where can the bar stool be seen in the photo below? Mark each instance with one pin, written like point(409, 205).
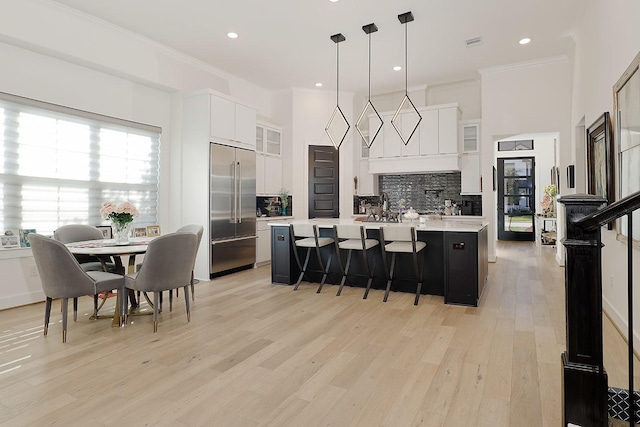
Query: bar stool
point(353, 237)
point(401, 240)
point(306, 236)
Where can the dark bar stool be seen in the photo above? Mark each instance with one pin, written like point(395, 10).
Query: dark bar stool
point(353, 237)
point(400, 239)
point(306, 236)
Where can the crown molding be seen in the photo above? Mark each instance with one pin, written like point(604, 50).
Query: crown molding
point(523, 65)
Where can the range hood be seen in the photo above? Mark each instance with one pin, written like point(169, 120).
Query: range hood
point(415, 164)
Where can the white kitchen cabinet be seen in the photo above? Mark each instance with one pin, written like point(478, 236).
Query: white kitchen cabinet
point(263, 242)
point(207, 116)
point(429, 132)
point(409, 121)
point(272, 175)
point(231, 122)
point(448, 130)
point(471, 181)
point(470, 136)
point(268, 139)
point(260, 173)
point(391, 142)
point(367, 185)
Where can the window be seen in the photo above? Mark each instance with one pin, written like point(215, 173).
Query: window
point(58, 165)
point(523, 144)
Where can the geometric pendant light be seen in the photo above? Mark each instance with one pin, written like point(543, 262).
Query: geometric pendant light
point(337, 120)
point(404, 18)
point(369, 108)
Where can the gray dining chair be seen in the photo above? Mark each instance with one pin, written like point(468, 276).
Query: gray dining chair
point(167, 265)
point(72, 233)
point(62, 277)
point(197, 230)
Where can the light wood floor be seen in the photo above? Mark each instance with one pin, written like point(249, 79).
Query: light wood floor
point(257, 354)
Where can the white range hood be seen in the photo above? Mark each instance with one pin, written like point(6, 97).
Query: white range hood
point(415, 164)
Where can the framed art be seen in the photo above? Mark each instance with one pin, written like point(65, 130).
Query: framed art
point(600, 159)
point(626, 97)
point(106, 231)
point(140, 232)
point(153, 230)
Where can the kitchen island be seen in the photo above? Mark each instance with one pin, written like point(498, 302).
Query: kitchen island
point(454, 264)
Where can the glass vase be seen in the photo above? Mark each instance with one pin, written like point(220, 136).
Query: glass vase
point(121, 231)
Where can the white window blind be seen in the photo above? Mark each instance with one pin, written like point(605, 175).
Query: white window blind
point(58, 165)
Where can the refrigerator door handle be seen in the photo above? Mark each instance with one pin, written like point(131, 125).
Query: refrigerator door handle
point(239, 221)
point(235, 193)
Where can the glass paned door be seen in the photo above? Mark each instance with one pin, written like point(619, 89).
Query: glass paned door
point(516, 198)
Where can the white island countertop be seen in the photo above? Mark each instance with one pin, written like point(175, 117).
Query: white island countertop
point(462, 225)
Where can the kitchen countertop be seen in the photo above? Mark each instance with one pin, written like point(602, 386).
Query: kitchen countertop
point(462, 224)
point(273, 218)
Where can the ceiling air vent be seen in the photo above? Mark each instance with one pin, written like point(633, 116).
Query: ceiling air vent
point(476, 41)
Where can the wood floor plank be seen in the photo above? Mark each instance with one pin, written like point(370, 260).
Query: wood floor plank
point(258, 354)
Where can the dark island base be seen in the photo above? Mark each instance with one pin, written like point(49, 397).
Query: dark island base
point(452, 265)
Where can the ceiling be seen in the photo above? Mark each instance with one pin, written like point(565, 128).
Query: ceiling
point(286, 43)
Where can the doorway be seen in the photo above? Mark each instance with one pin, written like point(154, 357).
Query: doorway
point(516, 198)
point(324, 182)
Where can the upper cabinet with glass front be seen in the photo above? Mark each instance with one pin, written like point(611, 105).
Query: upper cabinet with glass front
point(268, 139)
point(470, 136)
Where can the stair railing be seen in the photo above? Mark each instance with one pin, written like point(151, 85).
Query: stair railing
point(585, 384)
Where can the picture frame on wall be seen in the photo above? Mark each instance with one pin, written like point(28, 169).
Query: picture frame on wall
point(105, 230)
point(600, 159)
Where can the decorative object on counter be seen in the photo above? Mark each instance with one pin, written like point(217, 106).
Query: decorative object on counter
point(355, 185)
point(24, 236)
point(404, 19)
point(284, 200)
point(369, 107)
point(548, 203)
point(337, 38)
point(10, 240)
point(447, 207)
point(121, 217)
point(411, 214)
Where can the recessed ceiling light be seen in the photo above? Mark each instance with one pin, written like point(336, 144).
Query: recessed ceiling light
point(333, 1)
point(397, 68)
point(232, 35)
point(525, 40)
point(318, 84)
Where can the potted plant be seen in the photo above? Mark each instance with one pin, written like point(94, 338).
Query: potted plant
point(284, 200)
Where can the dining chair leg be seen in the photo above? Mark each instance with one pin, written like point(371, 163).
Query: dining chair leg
point(303, 268)
point(47, 315)
point(171, 300)
point(156, 300)
point(186, 303)
point(65, 308)
point(370, 271)
point(193, 288)
point(75, 309)
point(393, 266)
point(418, 278)
point(95, 306)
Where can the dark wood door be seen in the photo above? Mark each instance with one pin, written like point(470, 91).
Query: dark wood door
point(324, 182)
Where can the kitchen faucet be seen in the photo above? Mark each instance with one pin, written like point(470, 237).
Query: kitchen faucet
point(384, 200)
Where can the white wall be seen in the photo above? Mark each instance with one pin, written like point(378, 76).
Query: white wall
point(466, 94)
point(311, 110)
point(51, 53)
point(524, 98)
point(607, 41)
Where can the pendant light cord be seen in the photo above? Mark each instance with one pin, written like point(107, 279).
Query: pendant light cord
point(406, 62)
point(369, 66)
point(337, 73)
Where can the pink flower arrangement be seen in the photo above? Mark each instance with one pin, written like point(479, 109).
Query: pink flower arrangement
point(122, 213)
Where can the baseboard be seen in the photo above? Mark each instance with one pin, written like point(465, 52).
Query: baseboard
point(21, 299)
point(620, 324)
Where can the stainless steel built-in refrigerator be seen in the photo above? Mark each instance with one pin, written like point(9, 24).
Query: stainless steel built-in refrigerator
point(232, 200)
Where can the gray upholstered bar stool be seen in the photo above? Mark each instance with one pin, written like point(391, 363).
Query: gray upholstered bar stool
point(400, 239)
point(353, 238)
point(306, 236)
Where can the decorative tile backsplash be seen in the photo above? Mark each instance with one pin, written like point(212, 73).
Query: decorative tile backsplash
point(427, 192)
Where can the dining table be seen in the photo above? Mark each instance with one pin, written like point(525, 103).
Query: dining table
point(107, 247)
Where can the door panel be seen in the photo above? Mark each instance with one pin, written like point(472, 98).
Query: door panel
point(516, 198)
point(246, 161)
point(324, 182)
point(222, 188)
